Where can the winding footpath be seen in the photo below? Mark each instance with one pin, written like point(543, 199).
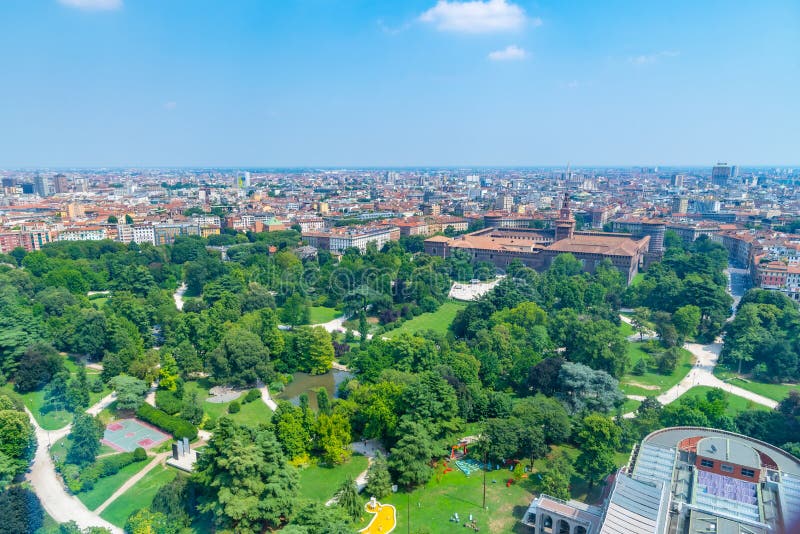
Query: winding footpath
point(702, 373)
point(61, 505)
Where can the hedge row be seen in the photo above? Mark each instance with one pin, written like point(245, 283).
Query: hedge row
point(179, 428)
point(79, 480)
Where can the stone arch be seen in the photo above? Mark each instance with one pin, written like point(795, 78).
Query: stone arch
point(563, 527)
point(579, 530)
point(547, 523)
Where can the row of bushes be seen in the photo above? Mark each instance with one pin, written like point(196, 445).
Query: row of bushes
point(179, 428)
point(84, 479)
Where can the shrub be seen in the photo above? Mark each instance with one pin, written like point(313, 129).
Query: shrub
point(252, 395)
point(234, 407)
point(139, 454)
point(640, 368)
point(176, 426)
point(168, 402)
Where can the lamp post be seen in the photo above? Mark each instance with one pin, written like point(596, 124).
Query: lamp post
point(408, 512)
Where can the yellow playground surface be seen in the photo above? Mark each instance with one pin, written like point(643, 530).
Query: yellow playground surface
point(385, 518)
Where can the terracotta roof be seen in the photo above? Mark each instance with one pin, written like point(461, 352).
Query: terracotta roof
point(595, 244)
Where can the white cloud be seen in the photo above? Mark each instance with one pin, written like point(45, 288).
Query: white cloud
point(169, 106)
point(572, 84)
point(96, 5)
point(476, 16)
point(647, 59)
point(509, 53)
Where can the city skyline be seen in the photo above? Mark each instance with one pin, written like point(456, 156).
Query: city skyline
point(116, 83)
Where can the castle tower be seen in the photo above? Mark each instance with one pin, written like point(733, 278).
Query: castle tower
point(565, 224)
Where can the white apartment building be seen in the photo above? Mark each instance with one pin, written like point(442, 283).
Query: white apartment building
point(84, 233)
point(138, 233)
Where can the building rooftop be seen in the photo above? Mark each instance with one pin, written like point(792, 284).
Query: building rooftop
point(727, 450)
point(634, 507)
point(599, 244)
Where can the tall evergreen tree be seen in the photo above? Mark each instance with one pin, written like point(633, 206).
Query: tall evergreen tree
point(347, 499)
point(85, 440)
point(379, 482)
point(246, 482)
point(410, 459)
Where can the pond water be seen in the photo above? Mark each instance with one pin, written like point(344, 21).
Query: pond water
point(306, 383)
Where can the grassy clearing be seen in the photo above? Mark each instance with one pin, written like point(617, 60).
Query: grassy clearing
point(776, 392)
point(625, 329)
point(320, 483)
point(140, 495)
point(34, 402)
point(251, 413)
point(58, 450)
point(637, 279)
point(630, 405)
point(105, 487)
point(438, 321)
point(736, 404)
point(653, 383)
point(322, 314)
point(432, 506)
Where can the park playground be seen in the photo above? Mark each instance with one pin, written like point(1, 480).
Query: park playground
point(385, 519)
point(125, 435)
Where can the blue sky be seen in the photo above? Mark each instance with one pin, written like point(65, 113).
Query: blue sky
point(398, 83)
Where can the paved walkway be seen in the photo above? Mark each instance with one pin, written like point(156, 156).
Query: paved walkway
point(702, 374)
point(470, 291)
point(265, 396)
point(368, 448)
point(178, 296)
point(157, 460)
point(47, 485)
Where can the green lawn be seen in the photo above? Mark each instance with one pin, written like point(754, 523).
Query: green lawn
point(438, 321)
point(320, 483)
point(626, 329)
point(431, 506)
point(322, 314)
point(776, 392)
point(251, 413)
point(59, 448)
point(140, 495)
point(637, 279)
point(630, 405)
point(105, 486)
point(653, 383)
point(736, 404)
point(34, 401)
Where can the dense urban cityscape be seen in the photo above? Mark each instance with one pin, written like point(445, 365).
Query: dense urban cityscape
point(422, 267)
